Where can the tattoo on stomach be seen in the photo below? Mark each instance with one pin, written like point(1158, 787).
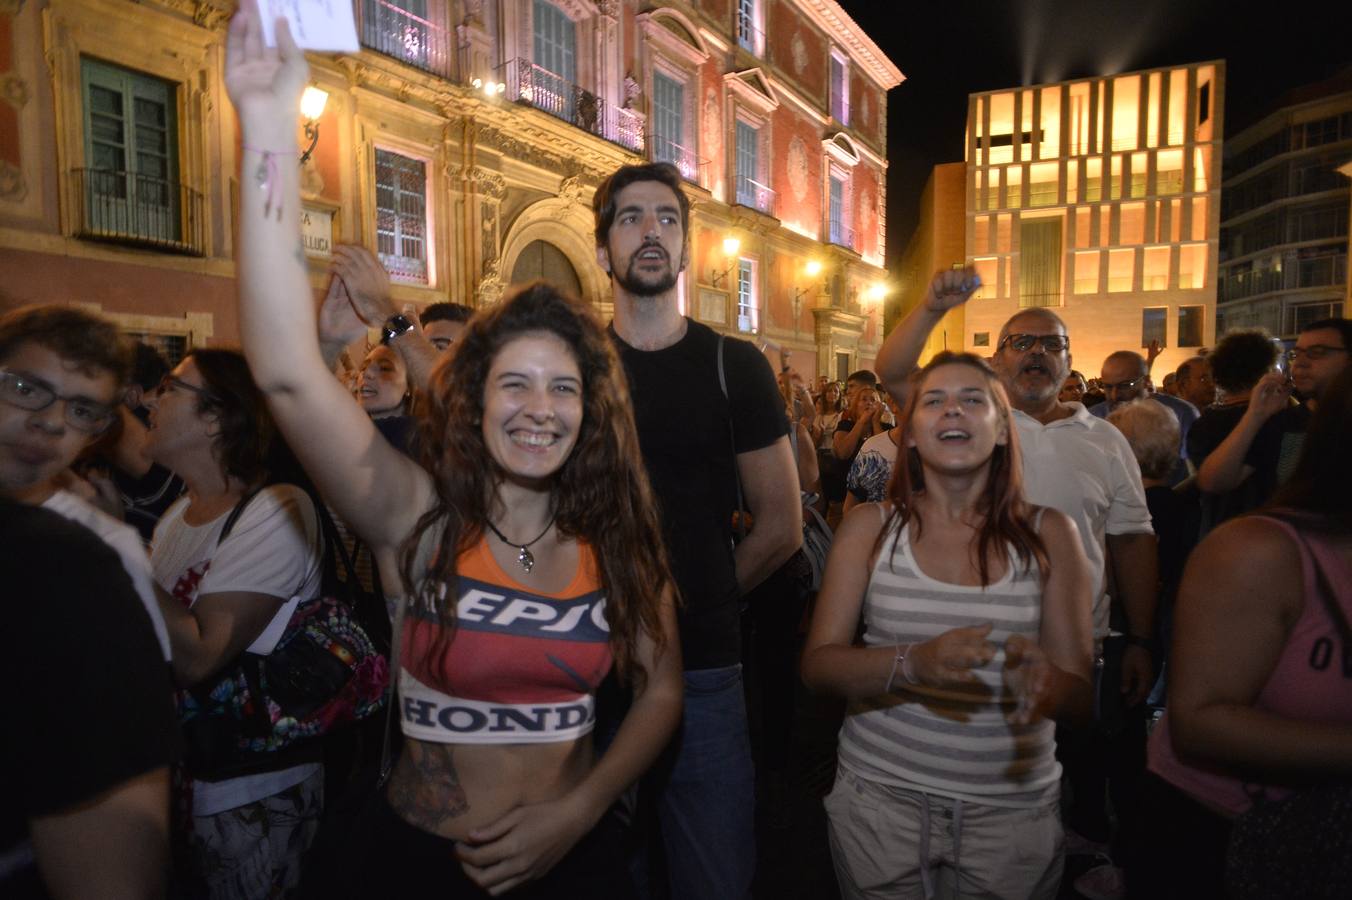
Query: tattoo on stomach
point(426, 789)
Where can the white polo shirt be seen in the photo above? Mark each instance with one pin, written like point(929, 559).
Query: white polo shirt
point(1084, 467)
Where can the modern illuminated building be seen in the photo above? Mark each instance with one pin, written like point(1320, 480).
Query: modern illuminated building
point(463, 143)
point(1099, 198)
point(938, 243)
point(1284, 213)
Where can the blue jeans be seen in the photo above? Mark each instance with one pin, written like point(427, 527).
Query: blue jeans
point(707, 803)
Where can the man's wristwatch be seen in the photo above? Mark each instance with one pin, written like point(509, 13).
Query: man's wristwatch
point(395, 326)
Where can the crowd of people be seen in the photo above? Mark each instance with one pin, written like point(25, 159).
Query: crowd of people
point(1085, 631)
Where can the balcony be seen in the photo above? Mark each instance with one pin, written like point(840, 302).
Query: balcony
point(758, 196)
point(840, 234)
point(125, 208)
point(409, 38)
point(683, 158)
point(532, 85)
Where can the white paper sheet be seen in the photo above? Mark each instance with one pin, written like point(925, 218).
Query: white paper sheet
point(326, 25)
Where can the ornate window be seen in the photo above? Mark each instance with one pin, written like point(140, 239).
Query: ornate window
point(401, 216)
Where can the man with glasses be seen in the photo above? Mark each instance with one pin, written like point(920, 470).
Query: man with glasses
point(1081, 465)
point(1267, 441)
point(101, 813)
point(1126, 377)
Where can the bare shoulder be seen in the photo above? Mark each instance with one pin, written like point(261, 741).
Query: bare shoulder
point(863, 522)
point(1055, 527)
point(1250, 546)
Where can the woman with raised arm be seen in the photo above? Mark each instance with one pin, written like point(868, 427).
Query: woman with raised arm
point(976, 631)
point(529, 549)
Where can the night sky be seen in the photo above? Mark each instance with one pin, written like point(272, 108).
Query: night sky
point(950, 48)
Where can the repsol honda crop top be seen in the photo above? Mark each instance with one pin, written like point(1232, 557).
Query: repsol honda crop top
point(520, 667)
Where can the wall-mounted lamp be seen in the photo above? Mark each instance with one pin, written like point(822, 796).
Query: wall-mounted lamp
point(811, 270)
point(312, 104)
point(730, 247)
point(490, 88)
point(875, 293)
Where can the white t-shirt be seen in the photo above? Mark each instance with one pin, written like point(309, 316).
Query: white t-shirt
point(872, 468)
point(122, 538)
point(274, 548)
point(1084, 467)
point(826, 423)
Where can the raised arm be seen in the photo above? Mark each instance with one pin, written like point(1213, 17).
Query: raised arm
point(1224, 468)
point(901, 351)
point(368, 287)
point(1242, 592)
point(374, 487)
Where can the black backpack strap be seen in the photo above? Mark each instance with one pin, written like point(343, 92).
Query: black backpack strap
point(235, 513)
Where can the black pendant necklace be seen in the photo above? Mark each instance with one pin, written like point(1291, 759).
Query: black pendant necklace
point(523, 556)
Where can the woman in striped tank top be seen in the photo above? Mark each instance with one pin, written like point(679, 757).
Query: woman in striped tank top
point(975, 608)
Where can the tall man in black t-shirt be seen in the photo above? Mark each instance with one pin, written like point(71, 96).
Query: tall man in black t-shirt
point(698, 438)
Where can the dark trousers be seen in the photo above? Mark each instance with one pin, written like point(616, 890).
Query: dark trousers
point(1177, 846)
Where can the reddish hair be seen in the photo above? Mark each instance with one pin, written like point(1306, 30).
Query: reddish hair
point(1006, 517)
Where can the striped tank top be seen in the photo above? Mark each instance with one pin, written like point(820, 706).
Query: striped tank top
point(951, 742)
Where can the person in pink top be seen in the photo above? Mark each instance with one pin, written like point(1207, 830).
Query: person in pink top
point(1260, 702)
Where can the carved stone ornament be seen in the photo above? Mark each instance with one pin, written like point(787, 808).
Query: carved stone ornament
point(12, 184)
point(799, 51)
point(632, 92)
point(797, 163)
point(490, 286)
point(609, 8)
point(713, 126)
point(570, 189)
point(14, 89)
point(205, 15)
point(489, 184)
point(474, 13)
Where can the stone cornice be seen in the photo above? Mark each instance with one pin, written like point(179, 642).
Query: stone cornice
point(828, 16)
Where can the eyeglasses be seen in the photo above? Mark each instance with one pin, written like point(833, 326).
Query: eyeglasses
point(1121, 385)
point(1052, 343)
point(81, 413)
point(170, 383)
point(1313, 352)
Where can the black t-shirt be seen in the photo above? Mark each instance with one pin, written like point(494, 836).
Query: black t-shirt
point(687, 442)
point(1276, 448)
point(89, 693)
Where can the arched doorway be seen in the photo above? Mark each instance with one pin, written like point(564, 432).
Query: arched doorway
point(541, 259)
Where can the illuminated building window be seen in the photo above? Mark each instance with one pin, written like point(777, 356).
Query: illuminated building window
point(401, 216)
point(993, 189)
point(1121, 268)
point(1013, 187)
point(1093, 180)
point(1201, 169)
point(1131, 223)
point(1192, 263)
point(1084, 220)
point(407, 30)
point(1155, 274)
point(1152, 119)
point(750, 31)
point(1154, 326)
point(1043, 181)
point(1040, 262)
point(1073, 181)
point(1175, 220)
point(1199, 218)
point(669, 141)
point(1002, 231)
point(1178, 106)
point(1126, 112)
point(981, 235)
point(1115, 182)
point(1087, 271)
point(1190, 325)
point(1169, 172)
point(130, 187)
point(1105, 225)
point(840, 88)
point(1051, 123)
point(555, 43)
point(988, 271)
point(751, 189)
point(748, 315)
point(838, 228)
point(1139, 162)
point(1079, 118)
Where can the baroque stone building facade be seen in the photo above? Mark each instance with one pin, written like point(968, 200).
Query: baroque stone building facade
point(463, 143)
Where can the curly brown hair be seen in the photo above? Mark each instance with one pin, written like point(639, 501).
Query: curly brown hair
point(1006, 515)
point(600, 495)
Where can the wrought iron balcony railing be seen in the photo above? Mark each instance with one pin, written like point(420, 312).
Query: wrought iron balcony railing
point(409, 38)
point(752, 193)
point(538, 87)
point(683, 158)
point(126, 208)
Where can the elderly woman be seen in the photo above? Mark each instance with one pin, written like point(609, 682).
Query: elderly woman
point(530, 552)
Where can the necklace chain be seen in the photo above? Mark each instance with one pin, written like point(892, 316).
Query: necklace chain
point(523, 556)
